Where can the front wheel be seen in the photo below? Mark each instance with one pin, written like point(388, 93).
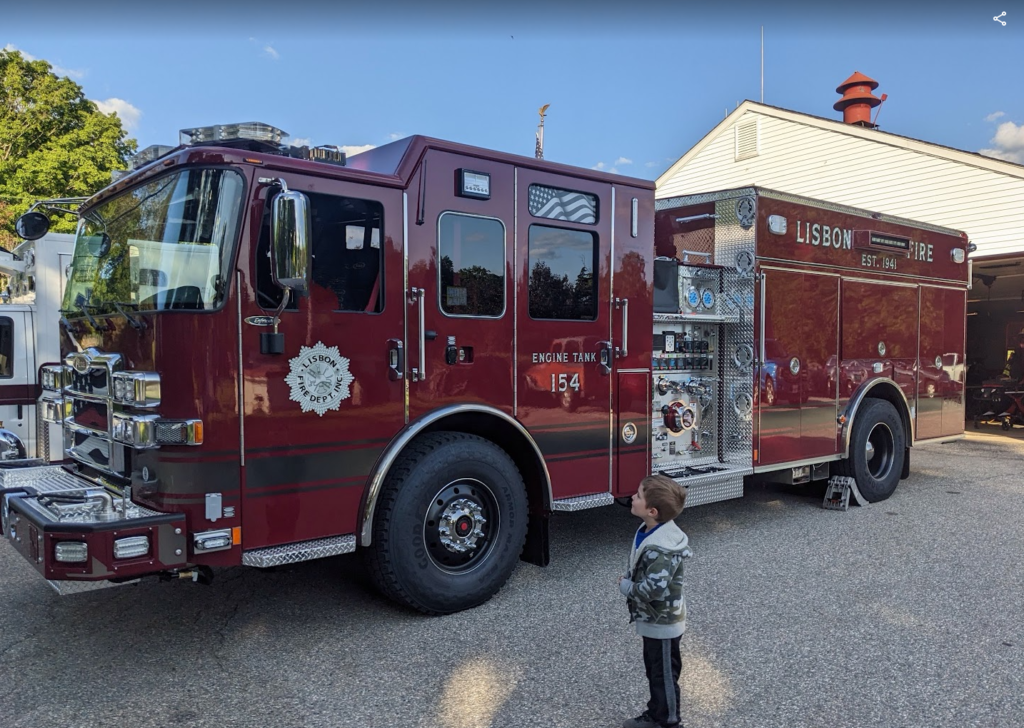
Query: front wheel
point(450, 524)
point(877, 448)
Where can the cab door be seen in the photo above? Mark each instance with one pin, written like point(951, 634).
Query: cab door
point(17, 376)
point(459, 272)
point(318, 415)
point(565, 354)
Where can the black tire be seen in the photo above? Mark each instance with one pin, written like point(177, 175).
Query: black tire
point(449, 525)
point(877, 476)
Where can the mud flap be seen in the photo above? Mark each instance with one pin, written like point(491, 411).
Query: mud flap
point(535, 550)
point(905, 473)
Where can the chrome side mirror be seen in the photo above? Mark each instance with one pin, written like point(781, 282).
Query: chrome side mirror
point(32, 225)
point(290, 240)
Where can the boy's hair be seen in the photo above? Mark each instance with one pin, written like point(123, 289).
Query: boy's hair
point(663, 493)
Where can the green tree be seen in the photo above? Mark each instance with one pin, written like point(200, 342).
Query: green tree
point(54, 142)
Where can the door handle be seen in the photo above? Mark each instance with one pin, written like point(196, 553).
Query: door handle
point(624, 303)
point(419, 373)
point(396, 360)
point(605, 356)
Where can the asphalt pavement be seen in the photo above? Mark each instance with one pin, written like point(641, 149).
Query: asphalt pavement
point(906, 613)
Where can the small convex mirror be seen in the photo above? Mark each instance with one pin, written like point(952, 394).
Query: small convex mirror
point(32, 225)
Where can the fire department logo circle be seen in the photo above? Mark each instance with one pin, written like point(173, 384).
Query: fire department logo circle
point(319, 378)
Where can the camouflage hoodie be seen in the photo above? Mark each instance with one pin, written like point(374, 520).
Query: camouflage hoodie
point(654, 585)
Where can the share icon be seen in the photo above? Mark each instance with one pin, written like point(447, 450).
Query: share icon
point(998, 18)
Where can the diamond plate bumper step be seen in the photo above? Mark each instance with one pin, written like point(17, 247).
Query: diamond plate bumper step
point(302, 551)
point(582, 502)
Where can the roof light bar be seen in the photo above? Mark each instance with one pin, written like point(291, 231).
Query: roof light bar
point(245, 131)
point(149, 154)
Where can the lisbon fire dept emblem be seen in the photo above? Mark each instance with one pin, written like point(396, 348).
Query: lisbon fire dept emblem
point(319, 378)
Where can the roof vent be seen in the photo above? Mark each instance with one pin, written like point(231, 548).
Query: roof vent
point(857, 100)
point(748, 139)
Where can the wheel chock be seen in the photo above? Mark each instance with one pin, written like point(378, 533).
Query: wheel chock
point(840, 489)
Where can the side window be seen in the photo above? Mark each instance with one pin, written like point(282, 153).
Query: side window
point(562, 282)
point(558, 204)
point(347, 253)
point(471, 254)
point(6, 347)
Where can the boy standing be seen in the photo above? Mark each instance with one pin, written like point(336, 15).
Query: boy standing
point(653, 588)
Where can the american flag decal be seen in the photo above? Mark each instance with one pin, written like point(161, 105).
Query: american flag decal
point(556, 204)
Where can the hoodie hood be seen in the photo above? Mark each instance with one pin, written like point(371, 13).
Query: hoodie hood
point(668, 538)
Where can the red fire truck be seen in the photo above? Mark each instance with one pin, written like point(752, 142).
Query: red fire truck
point(271, 355)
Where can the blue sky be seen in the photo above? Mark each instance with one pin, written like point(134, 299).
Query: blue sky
point(632, 86)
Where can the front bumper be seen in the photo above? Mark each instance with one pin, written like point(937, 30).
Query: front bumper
point(41, 507)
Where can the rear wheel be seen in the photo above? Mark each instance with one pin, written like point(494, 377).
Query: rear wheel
point(450, 524)
point(877, 449)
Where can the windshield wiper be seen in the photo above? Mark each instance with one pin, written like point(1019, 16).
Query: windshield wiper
point(82, 306)
point(138, 325)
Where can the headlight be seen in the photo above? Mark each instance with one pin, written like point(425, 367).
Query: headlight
point(51, 377)
point(139, 431)
point(137, 389)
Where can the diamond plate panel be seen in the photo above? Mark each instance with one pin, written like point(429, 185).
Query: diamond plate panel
point(734, 250)
point(66, 588)
point(702, 494)
point(582, 502)
point(303, 551)
point(41, 478)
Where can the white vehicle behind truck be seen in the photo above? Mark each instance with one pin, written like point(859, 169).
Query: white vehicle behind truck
point(29, 337)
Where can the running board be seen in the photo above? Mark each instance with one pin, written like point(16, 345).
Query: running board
point(582, 502)
point(291, 553)
point(710, 483)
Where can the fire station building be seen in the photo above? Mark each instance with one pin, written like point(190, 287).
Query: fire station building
point(852, 162)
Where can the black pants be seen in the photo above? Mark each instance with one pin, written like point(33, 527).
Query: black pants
point(662, 663)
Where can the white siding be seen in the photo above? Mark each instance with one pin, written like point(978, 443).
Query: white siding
point(877, 175)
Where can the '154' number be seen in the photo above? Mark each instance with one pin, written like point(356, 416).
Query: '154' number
point(562, 382)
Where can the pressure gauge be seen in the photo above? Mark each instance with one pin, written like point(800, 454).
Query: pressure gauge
point(692, 297)
point(707, 298)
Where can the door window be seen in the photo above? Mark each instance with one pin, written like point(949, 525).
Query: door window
point(562, 281)
point(6, 347)
point(347, 253)
point(471, 254)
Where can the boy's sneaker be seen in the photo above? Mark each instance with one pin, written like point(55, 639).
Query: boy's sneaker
point(644, 720)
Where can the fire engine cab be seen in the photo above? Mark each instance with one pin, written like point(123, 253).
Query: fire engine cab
point(274, 354)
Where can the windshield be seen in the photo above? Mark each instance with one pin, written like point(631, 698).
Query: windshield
point(162, 245)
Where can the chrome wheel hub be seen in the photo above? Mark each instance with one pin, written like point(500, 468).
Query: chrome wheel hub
point(461, 526)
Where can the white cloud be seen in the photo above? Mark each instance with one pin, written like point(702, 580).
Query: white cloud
point(623, 160)
point(1009, 143)
point(128, 114)
point(351, 151)
point(394, 136)
point(651, 164)
point(599, 167)
point(602, 167)
point(994, 116)
point(269, 52)
point(300, 142)
point(59, 70)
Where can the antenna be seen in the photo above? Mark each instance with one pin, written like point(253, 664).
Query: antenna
point(762, 64)
point(538, 151)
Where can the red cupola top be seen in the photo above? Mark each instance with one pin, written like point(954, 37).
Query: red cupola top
point(857, 100)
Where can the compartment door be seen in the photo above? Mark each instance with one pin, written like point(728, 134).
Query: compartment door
point(796, 381)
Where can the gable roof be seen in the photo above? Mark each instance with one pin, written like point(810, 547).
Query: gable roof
point(973, 159)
